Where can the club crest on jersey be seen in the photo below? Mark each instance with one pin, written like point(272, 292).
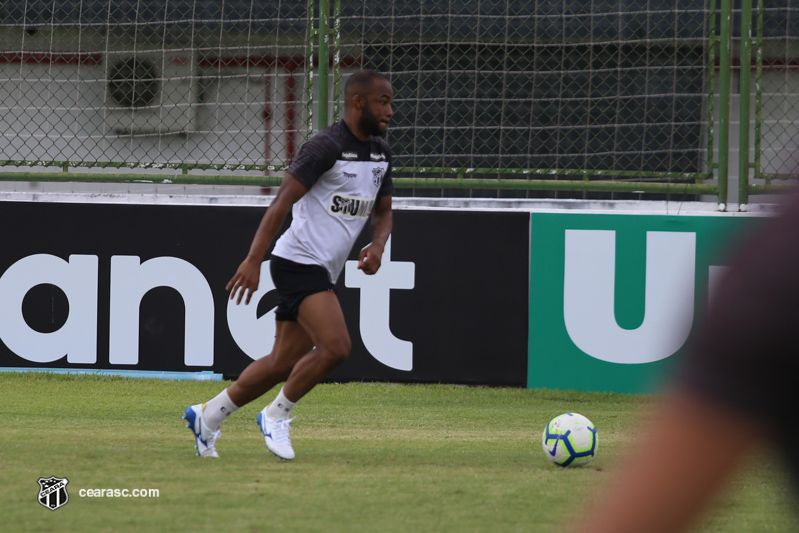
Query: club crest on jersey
point(377, 175)
point(53, 492)
point(346, 206)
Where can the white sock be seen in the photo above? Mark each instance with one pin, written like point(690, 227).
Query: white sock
point(280, 407)
point(217, 410)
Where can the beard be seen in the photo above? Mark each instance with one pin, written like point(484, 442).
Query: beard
point(368, 122)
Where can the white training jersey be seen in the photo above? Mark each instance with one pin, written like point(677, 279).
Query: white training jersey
point(344, 176)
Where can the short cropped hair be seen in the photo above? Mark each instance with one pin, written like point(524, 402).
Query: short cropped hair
point(360, 83)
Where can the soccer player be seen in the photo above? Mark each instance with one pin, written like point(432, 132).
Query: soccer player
point(735, 391)
point(340, 179)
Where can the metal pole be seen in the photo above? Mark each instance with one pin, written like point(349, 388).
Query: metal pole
point(743, 134)
point(324, 62)
point(336, 60)
point(309, 35)
point(758, 93)
point(713, 40)
point(725, 46)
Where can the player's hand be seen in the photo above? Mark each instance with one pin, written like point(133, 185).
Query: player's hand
point(370, 258)
point(245, 281)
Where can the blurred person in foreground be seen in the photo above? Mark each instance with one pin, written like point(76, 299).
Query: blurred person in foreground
point(736, 388)
point(339, 182)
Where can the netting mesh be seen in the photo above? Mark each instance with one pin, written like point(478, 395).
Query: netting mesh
point(560, 89)
point(777, 89)
point(149, 82)
point(541, 85)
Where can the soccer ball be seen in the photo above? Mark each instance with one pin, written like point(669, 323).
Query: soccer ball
point(570, 440)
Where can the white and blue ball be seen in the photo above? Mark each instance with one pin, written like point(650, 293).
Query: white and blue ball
point(570, 439)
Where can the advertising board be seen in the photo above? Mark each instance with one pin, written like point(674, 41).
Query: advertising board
point(142, 287)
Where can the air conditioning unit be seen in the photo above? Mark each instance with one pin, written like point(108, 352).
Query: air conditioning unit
point(153, 92)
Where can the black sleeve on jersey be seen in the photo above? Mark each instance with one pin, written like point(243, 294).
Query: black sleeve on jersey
point(387, 187)
point(317, 156)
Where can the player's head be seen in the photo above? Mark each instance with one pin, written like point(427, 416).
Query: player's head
point(367, 101)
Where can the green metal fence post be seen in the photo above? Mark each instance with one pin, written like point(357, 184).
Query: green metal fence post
point(758, 90)
point(336, 60)
point(725, 46)
point(713, 40)
point(309, 36)
point(743, 134)
point(324, 61)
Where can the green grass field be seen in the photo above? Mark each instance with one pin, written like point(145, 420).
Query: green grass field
point(370, 457)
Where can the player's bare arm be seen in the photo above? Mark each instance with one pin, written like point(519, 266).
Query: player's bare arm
point(371, 256)
point(247, 277)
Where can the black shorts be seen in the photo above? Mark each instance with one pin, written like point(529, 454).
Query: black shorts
point(295, 281)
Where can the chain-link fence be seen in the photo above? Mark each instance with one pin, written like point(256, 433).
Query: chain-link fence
point(153, 83)
point(562, 88)
point(559, 96)
point(775, 125)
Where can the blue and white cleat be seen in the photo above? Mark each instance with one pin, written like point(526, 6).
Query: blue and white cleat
point(276, 435)
point(205, 437)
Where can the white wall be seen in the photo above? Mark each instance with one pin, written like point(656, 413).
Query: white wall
point(58, 112)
